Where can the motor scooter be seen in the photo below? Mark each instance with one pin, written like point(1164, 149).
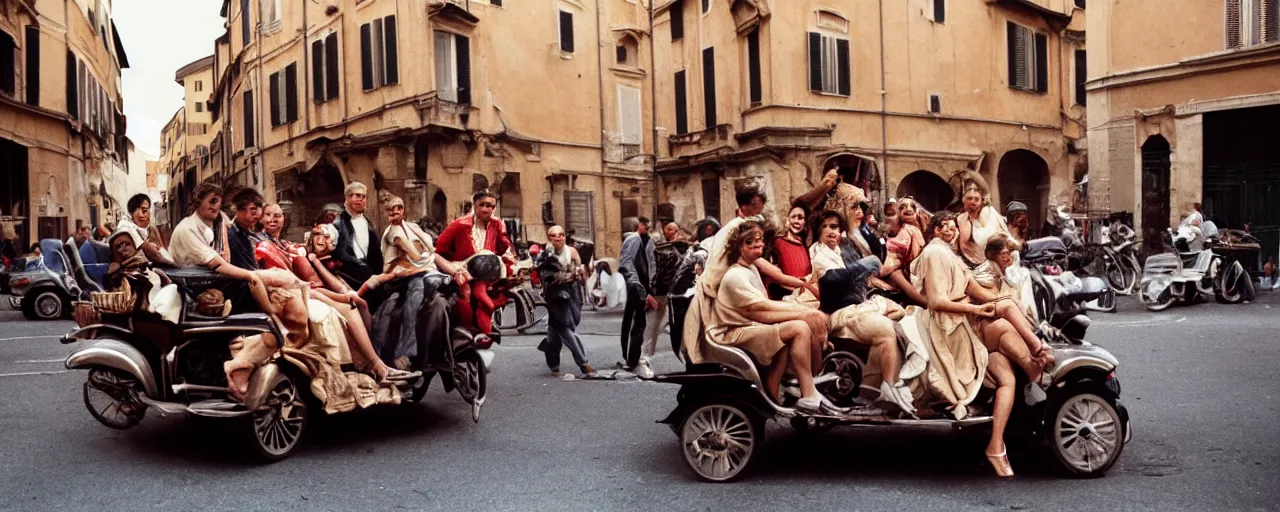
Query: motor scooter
point(1186, 274)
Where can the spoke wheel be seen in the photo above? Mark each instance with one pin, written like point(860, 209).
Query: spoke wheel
point(279, 423)
point(848, 369)
point(1087, 435)
point(112, 398)
point(719, 441)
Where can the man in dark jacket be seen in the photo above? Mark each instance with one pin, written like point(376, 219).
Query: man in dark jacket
point(636, 265)
point(359, 248)
point(243, 235)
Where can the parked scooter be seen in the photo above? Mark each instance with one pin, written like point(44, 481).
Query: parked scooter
point(1120, 258)
point(1186, 274)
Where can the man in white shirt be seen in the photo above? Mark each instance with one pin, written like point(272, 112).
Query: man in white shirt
point(359, 248)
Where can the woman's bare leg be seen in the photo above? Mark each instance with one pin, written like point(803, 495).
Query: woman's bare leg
point(1008, 310)
point(796, 335)
point(1000, 336)
point(878, 331)
point(1000, 370)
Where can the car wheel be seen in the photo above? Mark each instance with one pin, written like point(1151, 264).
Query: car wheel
point(47, 305)
point(112, 398)
point(1086, 434)
point(279, 423)
point(719, 439)
point(847, 369)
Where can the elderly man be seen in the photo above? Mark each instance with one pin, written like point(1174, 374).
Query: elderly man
point(561, 270)
point(357, 249)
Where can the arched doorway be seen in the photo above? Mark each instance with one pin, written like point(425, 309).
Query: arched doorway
point(930, 190)
point(303, 196)
point(439, 207)
point(1155, 193)
point(853, 170)
point(1023, 176)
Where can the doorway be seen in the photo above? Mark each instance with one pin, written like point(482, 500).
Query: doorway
point(1023, 176)
point(930, 190)
point(14, 188)
point(1155, 193)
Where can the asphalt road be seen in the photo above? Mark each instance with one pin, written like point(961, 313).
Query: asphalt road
point(1200, 383)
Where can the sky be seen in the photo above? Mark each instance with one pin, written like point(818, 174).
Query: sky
point(159, 37)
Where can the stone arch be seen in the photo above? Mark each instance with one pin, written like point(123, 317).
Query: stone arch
point(1024, 176)
point(930, 190)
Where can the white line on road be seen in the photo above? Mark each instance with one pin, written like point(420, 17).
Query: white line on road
point(1144, 322)
point(24, 374)
point(20, 338)
point(34, 361)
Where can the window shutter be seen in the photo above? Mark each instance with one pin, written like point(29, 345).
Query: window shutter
point(1232, 22)
point(1042, 63)
point(366, 57)
point(250, 135)
point(496, 2)
point(753, 67)
point(621, 56)
point(33, 65)
point(629, 123)
point(82, 92)
point(682, 104)
point(244, 22)
point(8, 82)
point(331, 66)
point(291, 93)
point(463, 46)
point(940, 11)
point(1270, 21)
point(379, 64)
point(73, 92)
point(677, 20)
point(709, 85)
point(392, 73)
point(1082, 76)
point(273, 94)
point(815, 62)
point(317, 71)
point(566, 32)
point(845, 76)
point(935, 104)
point(706, 5)
point(1014, 54)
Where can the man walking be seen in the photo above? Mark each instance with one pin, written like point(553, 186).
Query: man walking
point(636, 266)
point(358, 249)
point(667, 254)
point(561, 271)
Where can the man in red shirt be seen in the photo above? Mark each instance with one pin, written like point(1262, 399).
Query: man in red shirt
point(465, 237)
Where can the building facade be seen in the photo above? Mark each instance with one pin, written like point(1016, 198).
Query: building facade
point(543, 103)
point(61, 124)
point(896, 95)
point(1182, 99)
point(186, 140)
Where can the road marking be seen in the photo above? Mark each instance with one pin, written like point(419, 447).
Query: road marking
point(1144, 322)
point(20, 338)
point(24, 374)
point(34, 361)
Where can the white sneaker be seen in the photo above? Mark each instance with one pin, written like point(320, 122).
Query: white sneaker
point(644, 371)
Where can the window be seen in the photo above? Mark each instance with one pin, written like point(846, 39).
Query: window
point(829, 64)
point(630, 122)
point(682, 104)
point(73, 90)
point(935, 104)
point(199, 106)
point(270, 10)
point(250, 134)
point(244, 22)
point(8, 49)
point(324, 69)
point(453, 67)
point(1080, 4)
point(1028, 59)
point(711, 197)
point(939, 11)
point(579, 214)
point(709, 85)
point(622, 55)
point(753, 67)
point(566, 31)
point(1251, 22)
point(677, 20)
point(706, 6)
point(199, 85)
point(33, 65)
point(1082, 76)
point(379, 66)
point(284, 95)
point(628, 52)
point(496, 2)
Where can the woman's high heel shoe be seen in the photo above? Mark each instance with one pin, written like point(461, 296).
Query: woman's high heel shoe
point(1000, 462)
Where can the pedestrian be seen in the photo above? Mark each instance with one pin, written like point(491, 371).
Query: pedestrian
point(667, 254)
point(561, 270)
point(636, 266)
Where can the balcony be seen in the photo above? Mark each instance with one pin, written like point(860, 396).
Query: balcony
point(457, 10)
point(434, 111)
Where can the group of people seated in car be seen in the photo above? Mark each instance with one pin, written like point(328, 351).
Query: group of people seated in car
point(936, 298)
point(318, 291)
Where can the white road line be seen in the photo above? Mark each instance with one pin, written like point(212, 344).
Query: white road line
point(1143, 323)
point(24, 374)
point(20, 338)
point(34, 361)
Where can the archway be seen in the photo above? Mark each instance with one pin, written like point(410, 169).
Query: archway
point(303, 196)
point(439, 207)
point(1155, 192)
point(1023, 176)
point(510, 203)
point(930, 190)
point(853, 170)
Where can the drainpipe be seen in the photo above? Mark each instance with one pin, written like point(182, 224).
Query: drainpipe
point(600, 91)
point(653, 110)
point(884, 114)
point(306, 74)
point(261, 129)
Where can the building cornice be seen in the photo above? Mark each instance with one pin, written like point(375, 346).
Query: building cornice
point(1214, 62)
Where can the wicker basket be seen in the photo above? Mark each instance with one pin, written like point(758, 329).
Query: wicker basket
point(120, 301)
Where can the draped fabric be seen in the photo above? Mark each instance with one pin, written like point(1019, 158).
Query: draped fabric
point(958, 357)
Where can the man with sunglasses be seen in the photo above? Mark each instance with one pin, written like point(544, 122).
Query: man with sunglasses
point(465, 237)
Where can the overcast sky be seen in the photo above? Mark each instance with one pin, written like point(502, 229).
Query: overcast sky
point(161, 36)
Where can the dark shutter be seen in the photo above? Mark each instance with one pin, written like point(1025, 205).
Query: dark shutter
point(496, 2)
point(1042, 63)
point(273, 97)
point(682, 104)
point(250, 135)
point(815, 62)
point(244, 22)
point(935, 104)
point(73, 92)
point(566, 32)
point(462, 46)
point(1011, 31)
point(331, 66)
point(366, 57)
point(291, 93)
point(317, 71)
point(677, 20)
point(940, 11)
point(33, 65)
point(845, 78)
point(1082, 76)
point(8, 82)
point(1232, 23)
point(391, 74)
point(753, 67)
point(706, 5)
point(709, 85)
point(621, 54)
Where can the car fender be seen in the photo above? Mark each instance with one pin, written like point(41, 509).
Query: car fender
point(705, 380)
point(113, 353)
